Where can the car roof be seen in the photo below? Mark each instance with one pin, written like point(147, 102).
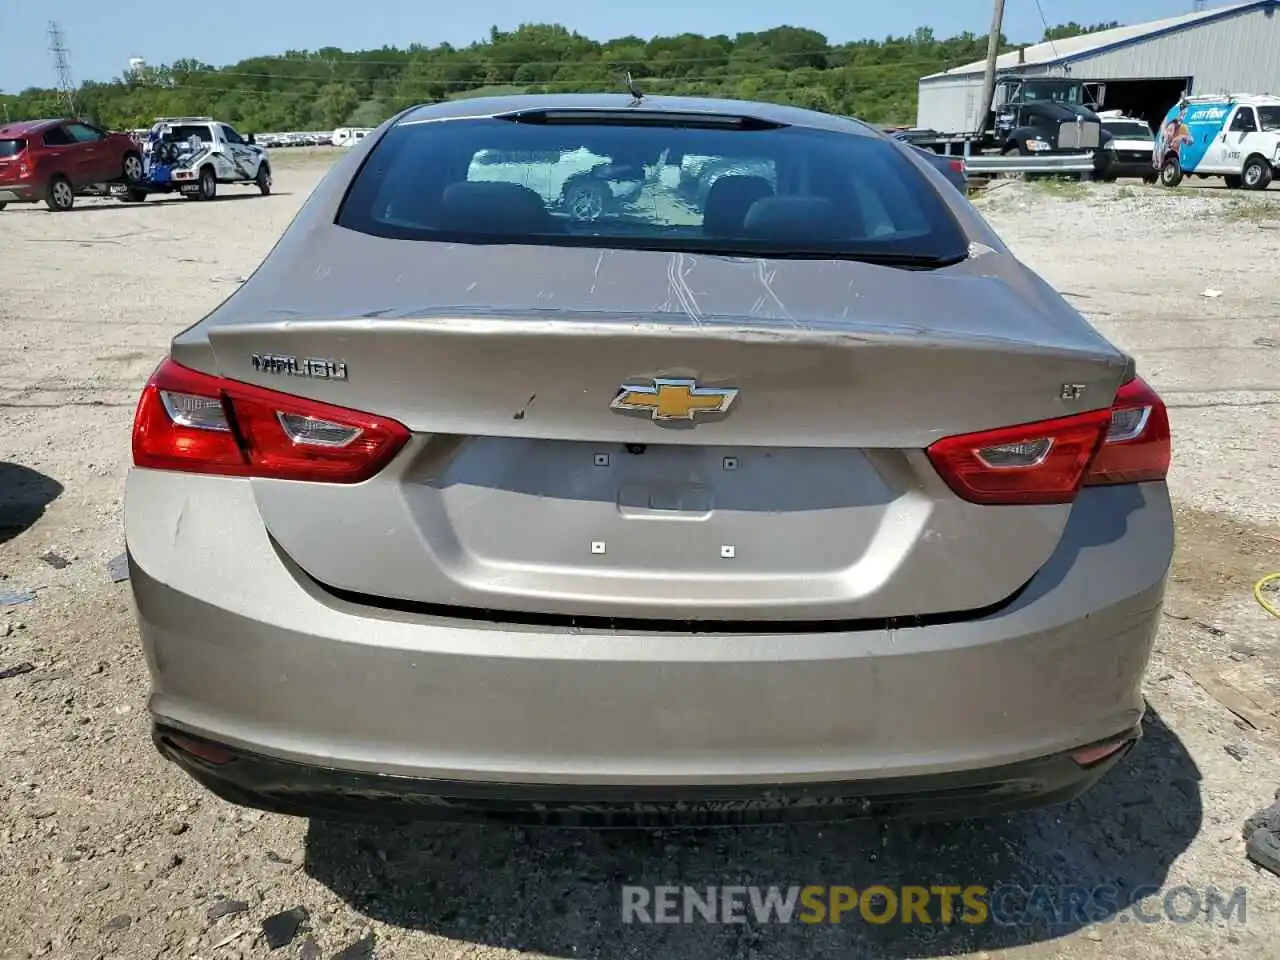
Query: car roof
point(24, 128)
point(479, 107)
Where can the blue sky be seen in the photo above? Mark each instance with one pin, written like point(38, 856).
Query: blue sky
point(103, 36)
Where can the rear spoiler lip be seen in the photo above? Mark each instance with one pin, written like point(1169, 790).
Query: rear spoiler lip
point(640, 117)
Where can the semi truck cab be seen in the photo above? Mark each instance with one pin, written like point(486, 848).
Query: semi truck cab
point(1042, 115)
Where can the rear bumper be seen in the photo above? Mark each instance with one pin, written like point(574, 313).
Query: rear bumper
point(279, 786)
point(11, 193)
point(245, 651)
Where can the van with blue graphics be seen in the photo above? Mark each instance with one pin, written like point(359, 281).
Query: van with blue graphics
point(1236, 137)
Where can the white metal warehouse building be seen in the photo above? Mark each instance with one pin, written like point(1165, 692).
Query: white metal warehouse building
point(1145, 67)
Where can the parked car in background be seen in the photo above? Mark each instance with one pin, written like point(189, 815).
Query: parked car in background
point(950, 166)
point(953, 168)
point(53, 160)
point(1127, 148)
point(808, 500)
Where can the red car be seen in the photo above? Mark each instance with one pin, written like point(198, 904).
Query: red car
point(53, 160)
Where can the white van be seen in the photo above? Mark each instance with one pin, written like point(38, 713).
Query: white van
point(1236, 137)
point(349, 136)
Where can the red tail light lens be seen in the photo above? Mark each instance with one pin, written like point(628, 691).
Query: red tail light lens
point(1138, 445)
point(196, 423)
point(1048, 461)
point(958, 165)
point(1040, 462)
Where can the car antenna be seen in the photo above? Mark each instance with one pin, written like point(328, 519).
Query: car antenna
point(636, 93)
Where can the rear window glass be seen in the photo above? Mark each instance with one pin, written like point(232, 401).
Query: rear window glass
point(11, 148)
point(780, 192)
point(186, 132)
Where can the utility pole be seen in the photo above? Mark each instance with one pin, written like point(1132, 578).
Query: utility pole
point(62, 68)
point(993, 51)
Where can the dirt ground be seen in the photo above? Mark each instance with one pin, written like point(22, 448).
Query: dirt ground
point(106, 851)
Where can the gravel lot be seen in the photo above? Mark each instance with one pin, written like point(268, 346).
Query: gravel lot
point(106, 851)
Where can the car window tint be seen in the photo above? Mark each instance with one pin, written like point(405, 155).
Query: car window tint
point(12, 146)
point(83, 134)
point(231, 135)
point(57, 137)
point(182, 132)
point(786, 191)
point(1244, 121)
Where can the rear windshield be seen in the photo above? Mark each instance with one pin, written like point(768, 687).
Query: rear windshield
point(11, 148)
point(185, 132)
point(778, 192)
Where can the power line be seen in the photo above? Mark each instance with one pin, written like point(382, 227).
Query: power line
point(229, 78)
point(1047, 32)
point(62, 68)
point(603, 59)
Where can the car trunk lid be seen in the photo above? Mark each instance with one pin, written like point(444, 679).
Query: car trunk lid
point(527, 489)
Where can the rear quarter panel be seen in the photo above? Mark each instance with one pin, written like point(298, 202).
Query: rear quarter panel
point(49, 161)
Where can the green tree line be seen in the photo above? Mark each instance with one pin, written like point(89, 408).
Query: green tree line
point(323, 89)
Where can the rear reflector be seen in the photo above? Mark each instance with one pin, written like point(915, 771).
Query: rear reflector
point(197, 423)
point(201, 749)
point(1048, 461)
point(1091, 756)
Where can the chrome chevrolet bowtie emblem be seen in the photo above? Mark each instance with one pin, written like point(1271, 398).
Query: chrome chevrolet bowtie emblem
point(673, 400)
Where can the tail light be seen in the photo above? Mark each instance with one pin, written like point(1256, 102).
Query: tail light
point(1048, 461)
point(958, 166)
point(197, 423)
point(1138, 445)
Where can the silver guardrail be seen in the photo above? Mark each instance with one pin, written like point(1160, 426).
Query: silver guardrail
point(983, 165)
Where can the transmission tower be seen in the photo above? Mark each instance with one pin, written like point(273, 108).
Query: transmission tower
point(62, 68)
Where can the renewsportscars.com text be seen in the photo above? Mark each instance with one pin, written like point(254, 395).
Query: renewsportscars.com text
point(1005, 905)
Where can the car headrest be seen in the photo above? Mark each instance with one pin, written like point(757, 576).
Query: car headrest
point(794, 219)
point(493, 207)
point(728, 201)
